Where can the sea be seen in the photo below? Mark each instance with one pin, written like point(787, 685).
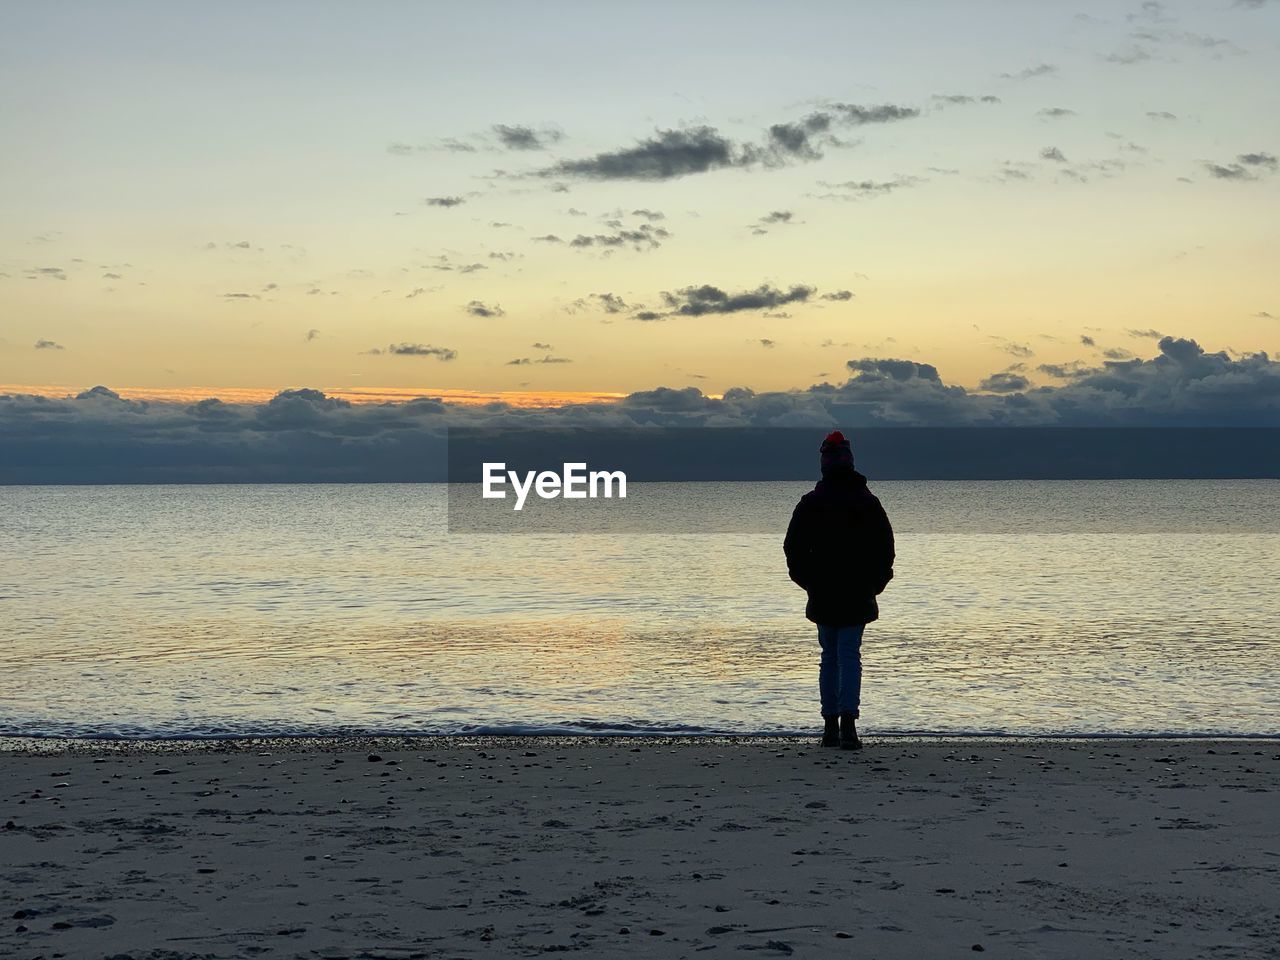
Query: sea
point(1018, 608)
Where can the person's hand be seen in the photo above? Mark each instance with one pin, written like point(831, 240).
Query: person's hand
point(885, 583)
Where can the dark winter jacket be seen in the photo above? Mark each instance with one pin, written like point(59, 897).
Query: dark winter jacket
point(839, 547)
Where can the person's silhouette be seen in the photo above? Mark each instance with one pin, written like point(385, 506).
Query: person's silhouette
point(839, 548)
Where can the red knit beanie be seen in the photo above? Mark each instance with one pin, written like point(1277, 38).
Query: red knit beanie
point(835, 452)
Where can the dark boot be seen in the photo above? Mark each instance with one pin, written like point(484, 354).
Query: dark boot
point(849, 733)
point(831, 731)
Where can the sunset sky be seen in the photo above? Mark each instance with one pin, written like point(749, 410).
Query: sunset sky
point(610, 198)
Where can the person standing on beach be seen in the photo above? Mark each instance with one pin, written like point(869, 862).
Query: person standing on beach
point(839, 548)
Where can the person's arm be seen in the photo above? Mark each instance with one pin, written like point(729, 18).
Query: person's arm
point(882, 546)
point(797, 546)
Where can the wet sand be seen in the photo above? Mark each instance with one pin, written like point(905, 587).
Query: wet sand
point(514, 847)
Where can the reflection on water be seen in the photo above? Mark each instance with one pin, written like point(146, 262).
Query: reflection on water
point(305, 609)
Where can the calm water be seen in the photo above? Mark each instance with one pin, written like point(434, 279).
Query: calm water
point(218, 610)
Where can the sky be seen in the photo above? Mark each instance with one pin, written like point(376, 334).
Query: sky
point(571, 202)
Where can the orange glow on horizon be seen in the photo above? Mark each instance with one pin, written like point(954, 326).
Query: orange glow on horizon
point(529, 399)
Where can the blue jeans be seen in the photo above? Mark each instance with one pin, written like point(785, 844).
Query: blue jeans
point(840, 675)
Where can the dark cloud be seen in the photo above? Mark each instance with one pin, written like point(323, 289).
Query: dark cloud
point(1056, 112)
point(683, 404)
point(1165, 35)
point(1010, 173)
point(644, 237)
point(609, 302)
point(526, 138)
point(416, 350)
point(1064, 371)
point(1004, 382)
point(1117, 353)
point(1052, 153)
point(956, 99)
point(667, 155)
point(312, 334)
point(861, 189)
point(777, 216)
point(766, 343)
point(706, 299)
point(48, 345)
point(1266, 160)
point(540, 346)
point(650, 215)
point(1247, 166)
point(1229, 172)
point(838, 295)
point(478, 308)
point(525, 361)
point(53, 273)
point(1148, 333)
point(1106, 168)
point(805, 139)
point(877, 369)
point(1027, 73)
point(1161, 115)
point(444, 201)
point(453, 146)
point(1128, 58)
point(240, 296)
point(799, 140)
point(548, 238)
point(670, 154)
point(500, 136)
point(1016, 349)
point(884, 113)
point(1087, 340)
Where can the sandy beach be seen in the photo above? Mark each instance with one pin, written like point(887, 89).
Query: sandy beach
point(518, 846)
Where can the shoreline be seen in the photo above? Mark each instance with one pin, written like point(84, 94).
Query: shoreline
point(307, 743)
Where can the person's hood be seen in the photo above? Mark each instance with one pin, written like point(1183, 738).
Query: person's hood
point(841, 480)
